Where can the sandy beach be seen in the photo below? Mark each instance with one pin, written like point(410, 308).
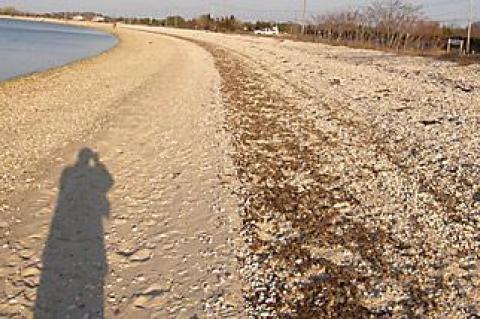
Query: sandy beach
point(150, 108)
point(239, 176)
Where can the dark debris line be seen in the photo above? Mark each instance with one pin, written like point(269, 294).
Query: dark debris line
point(314, 246)
point(284, 215)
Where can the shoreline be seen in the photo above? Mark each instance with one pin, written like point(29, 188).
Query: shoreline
point(83, 24)
point(102, 27)
point(83, 91)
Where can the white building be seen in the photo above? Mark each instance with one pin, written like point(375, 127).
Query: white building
point(268, 31)
point(78, 18)
point(98, 19)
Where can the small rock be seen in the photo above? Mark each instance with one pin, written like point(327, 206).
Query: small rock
point(168, 246)
point(156, 289)
point(141, 255)
point(141, 302)
point(127, 250)
point(32, 282)
point(30, 294)
point(465, 87)
point(430, 122)
point(476, 197)
point(335, 82)
point(30, 272)
point(26, 254)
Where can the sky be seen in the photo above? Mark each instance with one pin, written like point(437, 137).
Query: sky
point(447, 11)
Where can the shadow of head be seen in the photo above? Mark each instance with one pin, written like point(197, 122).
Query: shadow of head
point(86, 156)
point(86, 183)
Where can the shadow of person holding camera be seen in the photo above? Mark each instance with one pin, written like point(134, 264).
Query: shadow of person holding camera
point(74, 257)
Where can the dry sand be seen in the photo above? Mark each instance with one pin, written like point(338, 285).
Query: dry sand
point(145, 230)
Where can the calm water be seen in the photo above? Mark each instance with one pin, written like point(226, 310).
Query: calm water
point(27, 47)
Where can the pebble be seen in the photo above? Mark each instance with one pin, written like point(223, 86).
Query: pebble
point(30, 272)
point(141, 301)
point(127, 250)
point(141, 255)
point(476, 197)
point(157, 289)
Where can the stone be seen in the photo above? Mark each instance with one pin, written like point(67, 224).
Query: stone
point(30, 272)
point(335, 82)
point(32, 282)
point(141, 301)
point(168, 246)
point(428, 122)
point(31, 294)
point(156, 289)
point(141, 255)
point(476, 197)
point(26, 254)
point(127, 250)
point(465, 87)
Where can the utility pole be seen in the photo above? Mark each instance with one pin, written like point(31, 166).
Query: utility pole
point(212, 10)
point(389, 22)
point(470, 22)
point(175, 17)
point(304, 14)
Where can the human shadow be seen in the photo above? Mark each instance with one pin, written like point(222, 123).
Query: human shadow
point(74, 258)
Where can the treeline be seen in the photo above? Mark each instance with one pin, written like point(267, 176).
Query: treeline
point(386, 24)
point(392, 24)
point(11, 11)
point(209, 23)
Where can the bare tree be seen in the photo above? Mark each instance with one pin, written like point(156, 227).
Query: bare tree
point(394, 18)
point(396, 24)
point(9, 10)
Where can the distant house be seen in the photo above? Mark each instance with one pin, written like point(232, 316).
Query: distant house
point(78, 18)
point(268, 31)
point(98, 19)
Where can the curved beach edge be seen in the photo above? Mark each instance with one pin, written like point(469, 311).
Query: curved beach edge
point(101, 27)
